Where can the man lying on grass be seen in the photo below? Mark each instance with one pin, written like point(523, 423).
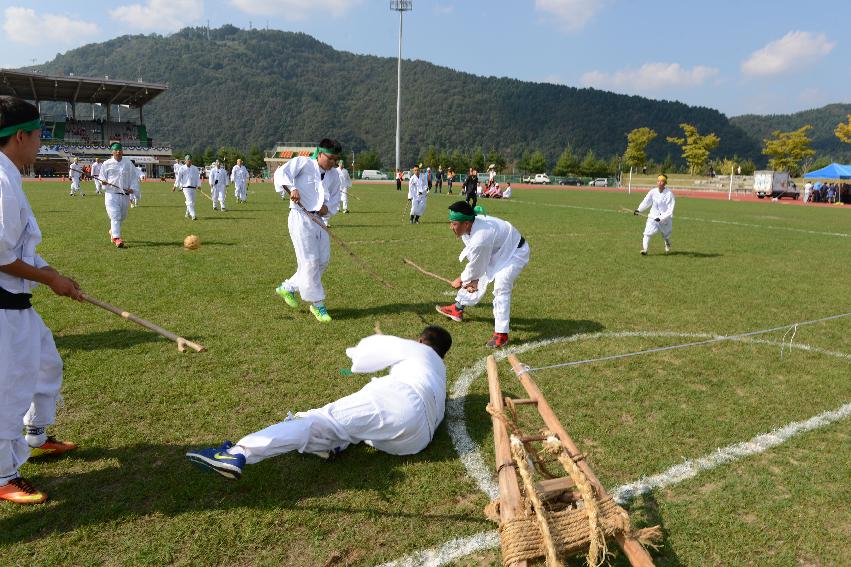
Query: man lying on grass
point(397, 413)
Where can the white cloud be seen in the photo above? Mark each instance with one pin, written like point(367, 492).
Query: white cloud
point(794, 50)
point(295, 9)
point(650, 77)
point(159, 15)
point(24, 25)
point(443, 9)
point(571, 15)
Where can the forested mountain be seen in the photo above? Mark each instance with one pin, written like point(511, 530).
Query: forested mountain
point(246, 87)
point(823, 120)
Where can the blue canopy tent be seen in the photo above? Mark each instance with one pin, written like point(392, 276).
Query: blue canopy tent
point(832, 171)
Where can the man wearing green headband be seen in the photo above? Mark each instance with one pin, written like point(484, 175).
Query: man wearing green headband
point(119, 179)
point(660, 219)
point(314, 184)
point(495, 252)
point(30, 365)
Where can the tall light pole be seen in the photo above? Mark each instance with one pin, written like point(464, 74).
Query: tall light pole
point(400, 6)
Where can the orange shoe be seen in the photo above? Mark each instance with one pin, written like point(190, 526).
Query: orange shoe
point(52, 447)
point(20, 491)
point(451, 311)
point(118, 243)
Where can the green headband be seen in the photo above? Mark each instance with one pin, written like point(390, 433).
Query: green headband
point(115, 146)
point(461, 217)
point(321, 150)
point(26, 127)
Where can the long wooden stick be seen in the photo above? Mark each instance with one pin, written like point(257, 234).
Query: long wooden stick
point(636, 554)
point(342, 244)
point(181, 342)
point(632, 212)
point(426, 272)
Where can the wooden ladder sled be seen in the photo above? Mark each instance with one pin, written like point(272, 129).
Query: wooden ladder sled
point(558, 517)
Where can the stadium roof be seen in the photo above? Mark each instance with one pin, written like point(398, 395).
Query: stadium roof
point(39, 87)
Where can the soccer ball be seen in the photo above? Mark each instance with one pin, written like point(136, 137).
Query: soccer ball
point(192, 242)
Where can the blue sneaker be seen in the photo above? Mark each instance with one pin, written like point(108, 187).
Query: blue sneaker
point(218, 460)
point(321, 313)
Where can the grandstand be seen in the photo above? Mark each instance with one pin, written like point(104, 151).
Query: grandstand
point(92, 120)
point(284, 152)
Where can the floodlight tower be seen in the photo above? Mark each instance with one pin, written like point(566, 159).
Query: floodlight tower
point(400, 6)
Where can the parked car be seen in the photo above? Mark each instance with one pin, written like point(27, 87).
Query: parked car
point(575, 181)
point(538, 178)
point(373, 174)
point(599, 182)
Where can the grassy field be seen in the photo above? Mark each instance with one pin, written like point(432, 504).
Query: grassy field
point(135, 405)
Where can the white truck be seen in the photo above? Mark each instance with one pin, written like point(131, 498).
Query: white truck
point(538, 179)
point(774, 184)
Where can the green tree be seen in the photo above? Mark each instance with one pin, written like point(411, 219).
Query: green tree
point(843, 131)
point(368, 159)
point(430, 158)
point(537, 162)
point(591, 165)
point(496, 158)
point(788, 150)
point(209, 157)
point(567, 163)
point(636, 147)
point(477, 161)
point(695, 147)
point(458, 162)
point(229, 155)
point(254, 161)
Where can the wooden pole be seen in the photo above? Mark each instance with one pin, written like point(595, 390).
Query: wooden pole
point(181, 342)
point(426, 272)
point(634, 551)
point(510, 503)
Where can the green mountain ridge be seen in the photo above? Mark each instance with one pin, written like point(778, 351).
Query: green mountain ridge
point(256, 87)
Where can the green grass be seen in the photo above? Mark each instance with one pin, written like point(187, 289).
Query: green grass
point(135, 405)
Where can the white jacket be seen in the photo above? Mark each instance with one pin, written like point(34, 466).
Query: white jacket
point(488, 247)
point(660, 203)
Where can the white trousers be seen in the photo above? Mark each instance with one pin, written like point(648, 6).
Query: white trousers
point(503, 284)
point(665, 227)
point(240, 190)
point(30, 379)
point(189, 193)
point(418, 205)
point(98, 186)
point(391, 418)
point(75, 185)
point(344, 198)
point(312, 252)
point(136, 196)
point(116, 208)
point(218, 195)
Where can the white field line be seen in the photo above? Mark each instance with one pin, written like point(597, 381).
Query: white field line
point(714, 221)
point(470, 452)
point(460, 547)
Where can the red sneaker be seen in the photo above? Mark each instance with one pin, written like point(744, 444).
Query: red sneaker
point(52, 447)
point(21, 491)
point(118, 243)
point(451, 311)
point(498, 340)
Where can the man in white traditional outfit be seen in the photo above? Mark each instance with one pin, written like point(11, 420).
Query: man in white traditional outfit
point(345, 185)
point(189, 179)
point(176, 167)
point(240, 178)
point(417, 194)
point(75, 172)
point(660, 219)
point(313, 185)
point(96, 165)
point(30, 366)
point(495, 252)
point(218, 179)
point(119, 179)
point(397, 414)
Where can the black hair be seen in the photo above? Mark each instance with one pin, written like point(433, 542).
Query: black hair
point(14, 110)
point(437, 338)
point(462, 207)
point(332, 145)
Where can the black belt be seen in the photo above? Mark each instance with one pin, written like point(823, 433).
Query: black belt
point(522, 242)
point(16, 301)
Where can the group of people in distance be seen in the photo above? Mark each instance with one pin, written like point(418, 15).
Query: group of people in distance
point(187, 178)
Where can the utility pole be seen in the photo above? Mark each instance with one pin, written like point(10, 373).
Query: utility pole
point(400, 6)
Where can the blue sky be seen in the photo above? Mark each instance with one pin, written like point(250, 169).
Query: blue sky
point(744, 56)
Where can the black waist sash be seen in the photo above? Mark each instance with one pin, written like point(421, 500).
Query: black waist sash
point(17, 301)
point(522, 242)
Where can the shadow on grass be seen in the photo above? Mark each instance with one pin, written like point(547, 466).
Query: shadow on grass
point(106, 340)
point(693, 254)
point(142, 480)
point(175, 243)
point(644, 512)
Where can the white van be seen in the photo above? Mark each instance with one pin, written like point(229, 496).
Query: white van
point(373, 174)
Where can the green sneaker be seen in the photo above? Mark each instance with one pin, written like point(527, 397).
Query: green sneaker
point(321, 314)
point(287, 296)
